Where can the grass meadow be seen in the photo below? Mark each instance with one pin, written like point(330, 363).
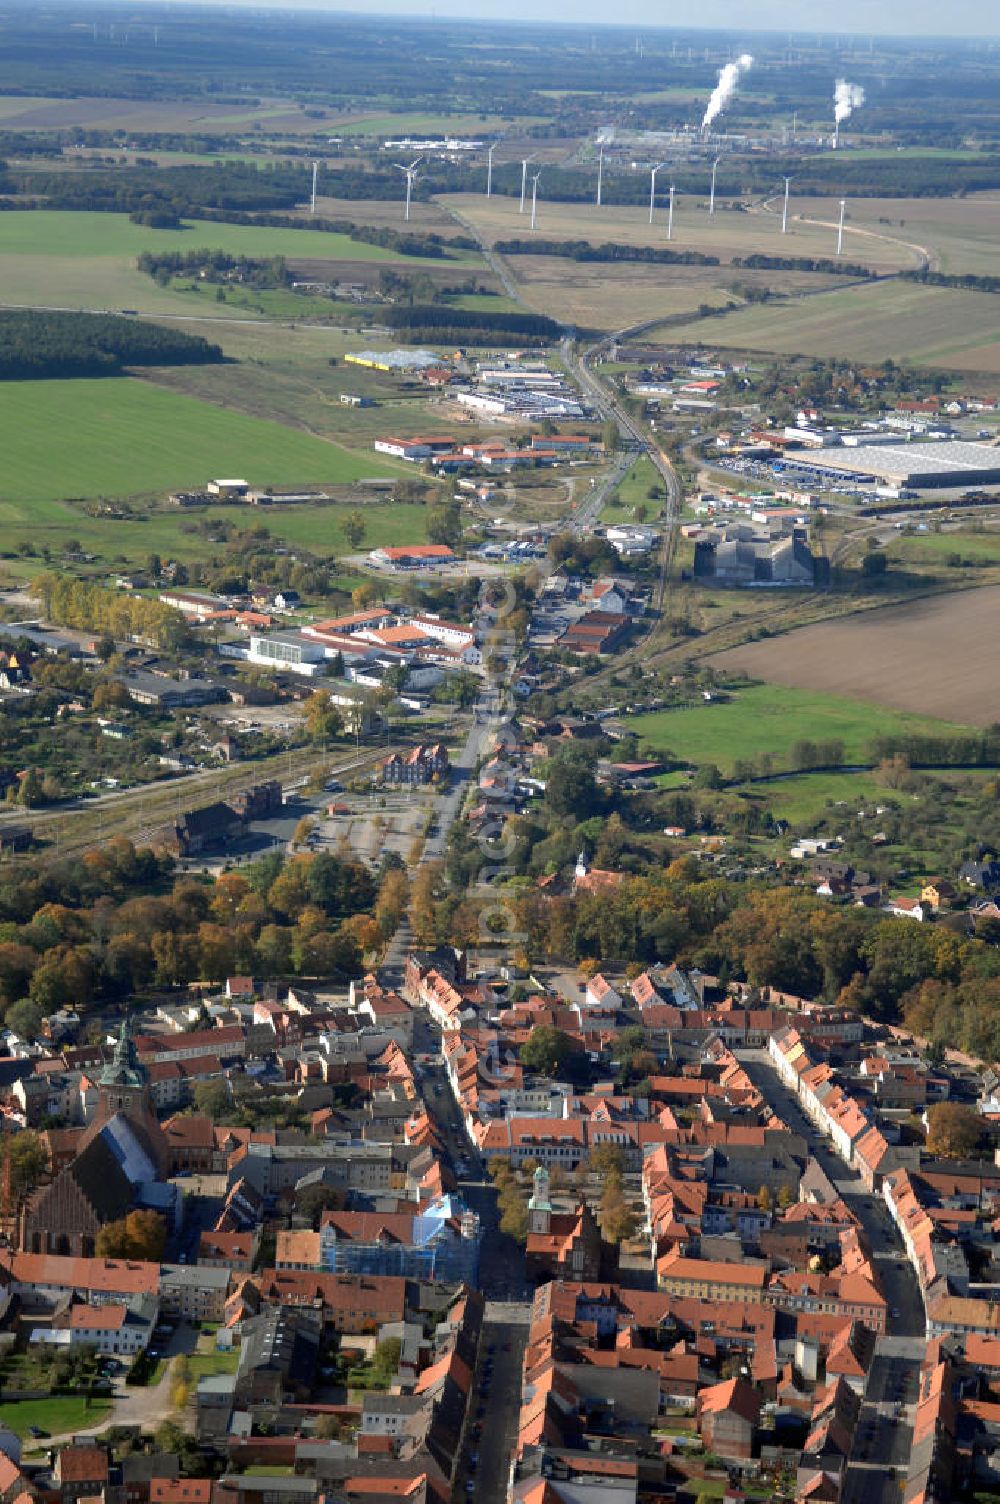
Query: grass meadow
point(770, 718)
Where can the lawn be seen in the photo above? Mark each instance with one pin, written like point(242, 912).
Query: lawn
point(59, 1414)
point(633, 491)
point(936, 548)
point(770, 718)
point(204, 1365)
point(123, 437)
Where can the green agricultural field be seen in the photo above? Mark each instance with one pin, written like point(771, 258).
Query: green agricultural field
point(58, 1415)
point(65, 232)
point(770, 718)
point(906, 321)
point(126, 437)
point(87, 260)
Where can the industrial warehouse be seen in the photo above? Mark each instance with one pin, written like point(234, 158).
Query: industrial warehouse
point(952, 463)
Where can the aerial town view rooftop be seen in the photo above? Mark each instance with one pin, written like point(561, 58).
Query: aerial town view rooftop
point(499, 756)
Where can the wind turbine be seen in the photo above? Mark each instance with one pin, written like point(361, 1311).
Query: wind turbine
point(711, 196)
point(489, 168)
point(670, 215)
point(312, 196)
point(534, 196)
point(600, 174)
point(840, 227)
point(411, 173)
point(784, 212)
point(652, 188)
point(524, 181)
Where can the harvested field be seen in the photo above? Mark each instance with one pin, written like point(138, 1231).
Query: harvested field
point(907, 321)
point(934, 657)
point(425, 217)
point(610, 295)
point(37, 113)
point(960, 234)
point(726, 234)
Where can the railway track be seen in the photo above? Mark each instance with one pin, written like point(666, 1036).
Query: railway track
point(139, 813)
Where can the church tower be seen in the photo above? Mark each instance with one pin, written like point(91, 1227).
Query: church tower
point(123, 1085)
point(540, 1207)
point(123, 1090)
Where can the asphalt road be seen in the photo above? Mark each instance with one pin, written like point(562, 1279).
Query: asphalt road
point(495, 1406)
point(885, 1426)
point(502, 1273)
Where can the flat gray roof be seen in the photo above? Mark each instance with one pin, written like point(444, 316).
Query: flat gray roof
point(900, 461)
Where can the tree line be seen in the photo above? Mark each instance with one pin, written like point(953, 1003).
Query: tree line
point(759, 262)
point(964, 281)
point(215, 266)
point(608, 250)
point(119, 614)
point(467, 325)
point(973, 749)
point(35, 344)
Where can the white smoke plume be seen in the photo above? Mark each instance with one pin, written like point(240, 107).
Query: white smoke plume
point(846, 99)
point(726, 87)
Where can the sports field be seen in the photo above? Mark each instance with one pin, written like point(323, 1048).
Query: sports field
point(906, 321)
point(125, 437)
point(63, 258)
point(771, 718)
point(935, 656)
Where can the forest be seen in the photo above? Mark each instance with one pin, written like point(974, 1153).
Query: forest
point(118, 920)
point(37, 344)
point(424, 321)
point(608, 250)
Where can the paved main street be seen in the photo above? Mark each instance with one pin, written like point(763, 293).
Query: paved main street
point(884, 1435)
